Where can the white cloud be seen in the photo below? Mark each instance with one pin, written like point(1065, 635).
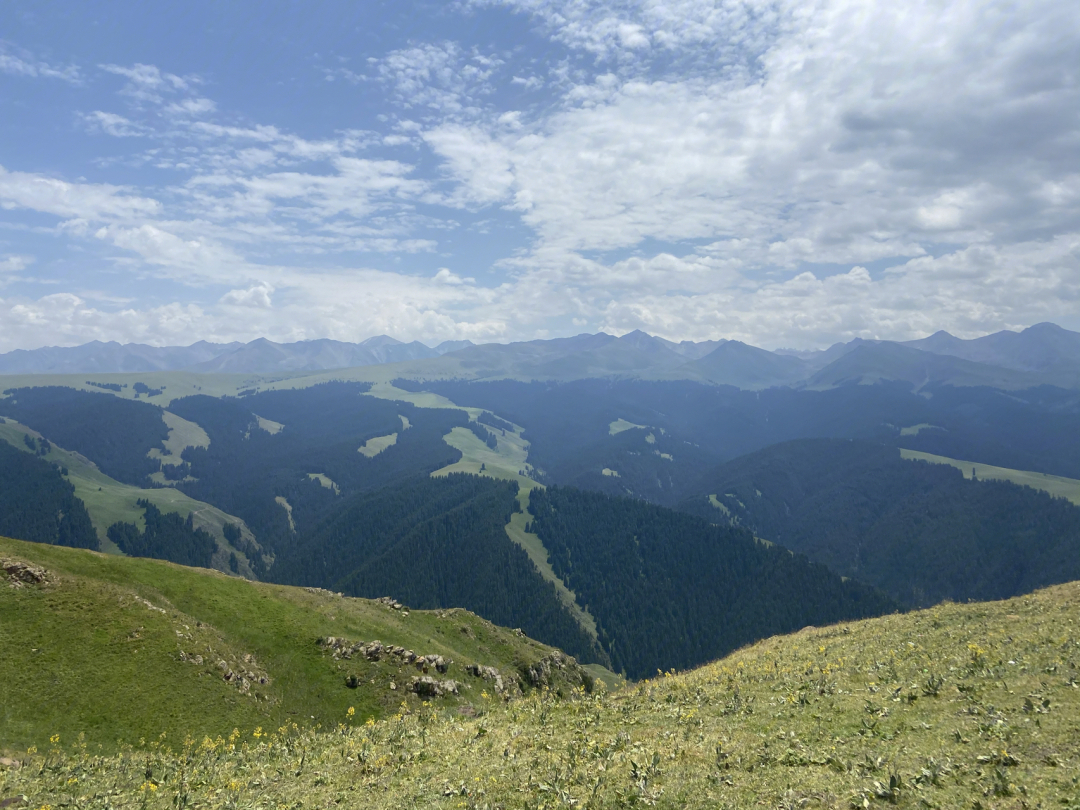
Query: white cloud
point(257, 295)
point(112, 124)
point(191, 107)
point(677, 165)
point(14, 264)
point(17, 62)
point(447, 276)
point(440, 78)
point(86, 201)
point(148, 83)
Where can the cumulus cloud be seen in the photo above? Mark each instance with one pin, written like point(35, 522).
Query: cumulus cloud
point(783, 172)
point(257, 295)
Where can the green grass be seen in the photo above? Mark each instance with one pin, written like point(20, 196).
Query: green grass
point(959, 706)
point(182, 435)
point(1068, 488)
point(108, 501)
point(269, 425)
point(324, 480)
point(914, 430)
point(619, 425)
point(372, 447)
point(97, 652)
point(534, 547)
point(716, 503)
point(173, 384)
point(281, 501)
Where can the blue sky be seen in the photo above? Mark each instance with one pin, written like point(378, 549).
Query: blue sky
point(785, 173)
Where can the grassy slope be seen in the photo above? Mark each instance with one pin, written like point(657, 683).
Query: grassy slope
point(85, 655)
point(1068, 488)
point(109, 501)
point(966, 706)
point(173, 384)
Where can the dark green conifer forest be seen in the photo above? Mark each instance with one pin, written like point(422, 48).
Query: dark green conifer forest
point(671, 590)
point(167, 536)
point(37, 504)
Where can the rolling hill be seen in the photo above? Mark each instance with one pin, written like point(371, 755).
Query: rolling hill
point(122, 649)
point(963, 705)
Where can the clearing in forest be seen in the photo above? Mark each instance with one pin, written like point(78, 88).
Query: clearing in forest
point(270, 426)
point(325, 481)
point(1068, 488)
point(619, 425)
point(372, 447)
point(284, 504)
point(182, 435)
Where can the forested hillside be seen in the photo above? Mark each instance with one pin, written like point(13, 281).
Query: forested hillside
point(167, 536)
point(695, 427)
point(37, 504)
point(436, 543)
point(919, 531)
point(247, 469)
point(114, 433)
point(671, 590)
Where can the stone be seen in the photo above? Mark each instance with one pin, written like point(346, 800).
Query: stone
point(20, 573)
point(428, 687)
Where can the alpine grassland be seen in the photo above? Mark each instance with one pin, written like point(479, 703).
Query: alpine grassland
point(958, 706)
point(117, 649)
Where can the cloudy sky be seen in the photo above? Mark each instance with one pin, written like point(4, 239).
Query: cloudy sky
point(788, 173)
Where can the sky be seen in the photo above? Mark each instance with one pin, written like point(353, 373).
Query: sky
point(789, 174)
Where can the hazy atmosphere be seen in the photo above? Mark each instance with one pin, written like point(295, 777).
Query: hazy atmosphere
point(789, 174)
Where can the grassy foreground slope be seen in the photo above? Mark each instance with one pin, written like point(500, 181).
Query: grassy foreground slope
point(123, 648)
point(958, 706)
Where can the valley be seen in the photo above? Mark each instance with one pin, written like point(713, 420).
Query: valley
point(640, 523)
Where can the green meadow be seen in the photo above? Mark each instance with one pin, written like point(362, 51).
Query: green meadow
point(958, 706)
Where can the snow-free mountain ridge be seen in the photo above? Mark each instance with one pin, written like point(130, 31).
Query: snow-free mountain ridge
point(1041, 354)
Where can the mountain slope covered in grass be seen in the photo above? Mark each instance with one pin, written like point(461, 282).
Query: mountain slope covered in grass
point(121, 649)
point(958, 706)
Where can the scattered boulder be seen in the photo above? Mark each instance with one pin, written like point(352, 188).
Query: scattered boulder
point(427, 687)
point(554, 667)
point(13, 801)
point(20, 573)
point(488, 674)
point(8, 762)
point(390, 602)
point(342, 648)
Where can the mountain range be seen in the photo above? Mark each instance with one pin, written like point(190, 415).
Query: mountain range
point(259, 355)
point(1041, 354)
